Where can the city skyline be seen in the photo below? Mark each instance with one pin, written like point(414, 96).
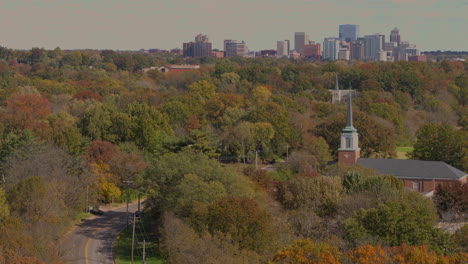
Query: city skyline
point(133, 25)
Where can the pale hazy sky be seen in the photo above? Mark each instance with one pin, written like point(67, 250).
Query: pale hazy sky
point(166, 24)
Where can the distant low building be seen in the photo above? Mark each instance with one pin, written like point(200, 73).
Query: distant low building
point(341, 96)
point(174, 68)
point(267, 53)
point(417, 58)
point(217, 54)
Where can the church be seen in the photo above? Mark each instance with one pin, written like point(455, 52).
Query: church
point(418, 175)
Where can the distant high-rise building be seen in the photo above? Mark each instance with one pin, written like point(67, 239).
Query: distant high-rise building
point(349, 32)
point(373, 46)
point(282, 48)
point(200, 48)
point(300, 39)
point(233, 48)
point(356, 50)
point(331, 47)
point(395, 36)
point(312, 51)
point(344, 51)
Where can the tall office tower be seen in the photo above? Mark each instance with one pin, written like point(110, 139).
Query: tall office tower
point(200, 48)
point(331, 47)
point(282, 48)
point(356, 50)
point(300, 39)
point(348, 32)
point(373, 46)
point(233, 48)
point(312, 51)
point(395, 36)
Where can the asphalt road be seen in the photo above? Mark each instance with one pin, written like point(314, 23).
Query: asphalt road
point(90, 242)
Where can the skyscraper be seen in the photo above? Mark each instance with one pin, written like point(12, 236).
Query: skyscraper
point(312, 51)
point(395, 36)
point(233, 48)
point(356, 51)
point(282, 48)
point(373, 46)
point(348, 32)
point(200, 48)
point(331, 47)
point(300, 39)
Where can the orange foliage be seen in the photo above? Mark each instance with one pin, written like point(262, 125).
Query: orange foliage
point(368, 254)
point(307, 252)
point(27, 111)
point(100, 151)
point(192, 123)
point(415, 255)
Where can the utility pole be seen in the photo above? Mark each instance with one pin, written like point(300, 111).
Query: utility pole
point(133, 237)
point(144, 251)
point(127, 183)
point(138, 201)
point(87, 199)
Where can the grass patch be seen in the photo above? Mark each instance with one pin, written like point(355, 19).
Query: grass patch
point(123, 245)
point(402, 151)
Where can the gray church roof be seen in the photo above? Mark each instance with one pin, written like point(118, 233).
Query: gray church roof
point(413, 169)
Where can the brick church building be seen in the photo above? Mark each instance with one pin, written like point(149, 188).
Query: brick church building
point(418, 175)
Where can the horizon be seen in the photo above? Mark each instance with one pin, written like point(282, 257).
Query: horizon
point(143, 24)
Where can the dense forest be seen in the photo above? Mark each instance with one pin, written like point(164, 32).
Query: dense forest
point(79, 127)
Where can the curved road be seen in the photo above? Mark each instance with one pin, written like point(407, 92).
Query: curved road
point(90, 242)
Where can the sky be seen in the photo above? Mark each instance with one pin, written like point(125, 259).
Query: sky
point(166, 24)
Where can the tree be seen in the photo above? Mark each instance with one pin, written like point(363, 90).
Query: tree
point(26, 111)
point(452, 196)
point(109, 191)
point(100, 151)
point(322, 192)
point(243, 220)
point(438, 142)
point(202, 90)
point(459, 240)
point(397, 222)
point(308, 252)
point(368, 254)
point(148, 126)
point(4, 207)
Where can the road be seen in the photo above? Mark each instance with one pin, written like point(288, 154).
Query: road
point(90, 242)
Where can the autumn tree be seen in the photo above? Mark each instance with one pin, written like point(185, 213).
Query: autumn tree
point(4, 207)
point(100, 151)
point(322, 192)
point(26, 111)
point(308, 252)
point(452, 195)
point(368, 254)
point(243, 220)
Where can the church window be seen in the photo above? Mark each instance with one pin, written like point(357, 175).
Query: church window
point(348, 142)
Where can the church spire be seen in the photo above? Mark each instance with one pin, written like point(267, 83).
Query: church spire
point(349, 119)
point(349, 151)
point(336, 83)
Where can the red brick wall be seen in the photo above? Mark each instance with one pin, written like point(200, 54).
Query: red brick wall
point(425, 185)
point(348, 158)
